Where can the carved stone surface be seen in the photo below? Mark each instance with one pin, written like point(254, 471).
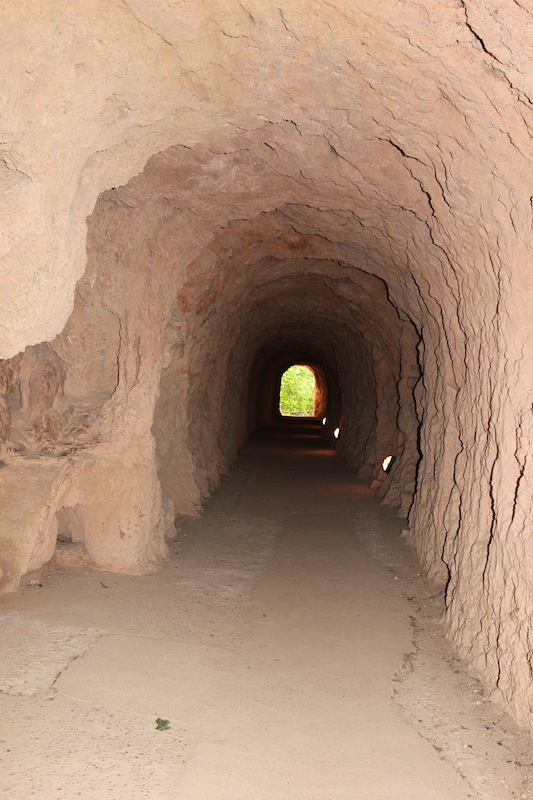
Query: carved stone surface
point(349, 183)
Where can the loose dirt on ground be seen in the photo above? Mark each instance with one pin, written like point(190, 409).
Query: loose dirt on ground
point(290, 642)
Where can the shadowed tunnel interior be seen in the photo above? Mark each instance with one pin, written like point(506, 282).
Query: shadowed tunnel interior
point(254, 188)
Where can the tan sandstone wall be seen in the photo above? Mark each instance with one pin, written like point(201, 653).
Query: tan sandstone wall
point(372, 160)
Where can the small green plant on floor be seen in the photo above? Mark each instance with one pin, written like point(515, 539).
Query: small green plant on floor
point(297, 392)
point(162, 724)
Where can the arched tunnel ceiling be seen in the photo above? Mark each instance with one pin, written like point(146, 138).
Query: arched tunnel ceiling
point(399, 115)
point(330, 192)
point(357, 201)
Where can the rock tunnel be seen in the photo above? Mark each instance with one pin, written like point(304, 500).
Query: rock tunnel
point(198, 196)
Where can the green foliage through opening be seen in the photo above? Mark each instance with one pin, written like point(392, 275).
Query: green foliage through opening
point(297, 392)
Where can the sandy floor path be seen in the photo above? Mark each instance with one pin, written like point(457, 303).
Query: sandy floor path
point(289, 642)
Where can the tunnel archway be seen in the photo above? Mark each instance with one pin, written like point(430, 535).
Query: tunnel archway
point(297, 391)
point(271, 362)
point(385, 233)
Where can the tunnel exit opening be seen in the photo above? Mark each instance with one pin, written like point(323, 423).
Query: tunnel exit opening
point(297, 392)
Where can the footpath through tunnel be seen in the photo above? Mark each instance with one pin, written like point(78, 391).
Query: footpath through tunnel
point(275, 647)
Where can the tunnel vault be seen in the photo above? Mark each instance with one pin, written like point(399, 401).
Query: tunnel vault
point(350, 187)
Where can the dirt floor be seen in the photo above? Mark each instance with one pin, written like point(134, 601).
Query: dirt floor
point(290, 642)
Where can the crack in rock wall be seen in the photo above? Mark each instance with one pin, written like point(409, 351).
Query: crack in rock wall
point(332, 179)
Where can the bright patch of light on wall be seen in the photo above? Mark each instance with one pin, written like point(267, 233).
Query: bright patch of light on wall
point(386, 463)
point(324, 421)
point(336, 433)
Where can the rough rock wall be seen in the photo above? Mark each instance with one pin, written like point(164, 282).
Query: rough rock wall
point(78, 448)
point(393, 139)
point(320, 405)
point(399, 485)
point(334, 310)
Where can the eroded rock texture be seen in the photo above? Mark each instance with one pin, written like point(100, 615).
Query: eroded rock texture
point(342, 184)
